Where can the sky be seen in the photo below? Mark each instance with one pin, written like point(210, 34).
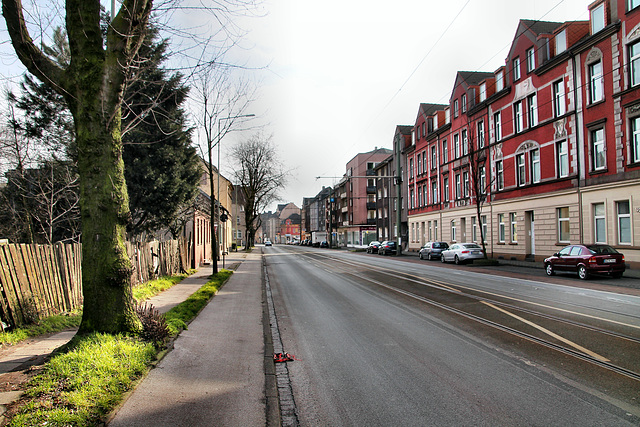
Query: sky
point(336, 77)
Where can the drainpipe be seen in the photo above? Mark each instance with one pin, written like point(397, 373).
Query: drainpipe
point(399, 195)
point(579, 148)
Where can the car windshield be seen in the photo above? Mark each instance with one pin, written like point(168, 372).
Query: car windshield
point(599, 249)
point(472, 246)
point(439, 245)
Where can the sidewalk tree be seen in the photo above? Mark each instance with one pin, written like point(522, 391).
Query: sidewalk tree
point(260, 177)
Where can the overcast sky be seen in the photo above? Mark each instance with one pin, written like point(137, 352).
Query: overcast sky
point(340, 75)
point(343, 74)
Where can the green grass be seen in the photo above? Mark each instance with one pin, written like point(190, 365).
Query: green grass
point(178, 317)
point(154, 287)
point(85, 383)
point(47, 325)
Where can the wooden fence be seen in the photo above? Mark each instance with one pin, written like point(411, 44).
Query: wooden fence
point(42, 280)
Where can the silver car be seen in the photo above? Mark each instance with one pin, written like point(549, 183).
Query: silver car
point(462, 252)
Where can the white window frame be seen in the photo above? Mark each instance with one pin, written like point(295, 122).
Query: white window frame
point(445, 152)
point(445, 186)
point(483, 91)
point(559, 103)
point(513, 218)
point(624, 222)
point(483, 179)
point(483, 220)
point(499, 81)
point(516, 69)
point(458, 186)
point(465, 183)
point(632, 4)
point(564, 235)
point(535, 165)
point(599, 223)
point(453, 230)
point(634, 63)
point(635, 132)
point(598, 153)
point(474, 229)
point(531, 59)
point(499, 175)
point(465, 142)
point(456, 146)
point(563, 158)
point(532, 111)
point(456, 107)
point(501, 228)
point(480, 127)
point(521, 170)
point(434, 157)
point(497, 126)
point(518, 120)
point(434, 192)
point(596, 82)
point(597, 19)
point(561, 42)
point(464, 102)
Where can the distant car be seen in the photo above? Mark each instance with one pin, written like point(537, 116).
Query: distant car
point(432, 250)
point(462, 252)
point(586, 260)
point(267, 243)
point(373, 247)
point(316, 244)
point(324, 244)
point(387, 247)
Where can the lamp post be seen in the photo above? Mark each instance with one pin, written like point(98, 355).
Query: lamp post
point(218, 196)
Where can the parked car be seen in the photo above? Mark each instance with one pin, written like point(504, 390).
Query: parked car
point(316, 244)
point(586, 260)
point(432, 250)
point(324, 244)
point(462, 252)
point(387, 247)
point(373, 247)
point(267, 243)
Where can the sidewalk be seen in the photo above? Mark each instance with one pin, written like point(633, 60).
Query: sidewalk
point(214, 375)
point(34, 351)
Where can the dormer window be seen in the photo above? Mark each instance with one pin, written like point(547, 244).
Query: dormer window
point(499, 81)
point(597, 18)
point(483, 92)
point(455, 108)
point(561, 42)
point(531, 60)
point(516, 69)
point(464, 103)
point(632, 4)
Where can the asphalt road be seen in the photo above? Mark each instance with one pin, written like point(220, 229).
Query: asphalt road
point(386, 342)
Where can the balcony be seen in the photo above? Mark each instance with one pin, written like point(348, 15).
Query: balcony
point(345, 209)
point(371, 189)
point(371, 206)
point(371, 221)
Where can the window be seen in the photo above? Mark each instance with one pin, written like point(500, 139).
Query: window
point(455, 108)
point(429, 228)
point(596, 82)
point(424, 161)
point(419, 136)
point(465, 180)
point(453, 230)
point(532, 111)
point(445, 185)
point(445, 154)
point(434, 158)
point(481, 134)
point(424, 133)
point(501, 229)
point(564, 234)
point(483, 92)
point(458, 186)
point(599, 223)
point(635, 128)
point(464, 103)
point(514, 227)
point(632, 4)
point(597, 18)
point(499, 175)
point(465, 143)
point(516, 69)
point(517, 116)
point(634, 63)
point(499, 81)
point(535, 165)
point(624, 222)
point(520, 170)
point(425, 195)
point(558, 98)
point(419, 196)
point(597, 149)
point(447, 115)
point(561, 42)
point(497, 126)
point(419, 164)
point(474, 229)
point(411, 168)
point(483, 179)
point(435, 230)
point(434, 192)
point(531, 60)
point(456, 146)
point(563, 159)
point(483, 220)
point(412, 198)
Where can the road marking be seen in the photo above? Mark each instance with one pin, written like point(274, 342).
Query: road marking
point(548, 332)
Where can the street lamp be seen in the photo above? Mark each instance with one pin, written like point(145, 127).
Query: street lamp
point(218, 197)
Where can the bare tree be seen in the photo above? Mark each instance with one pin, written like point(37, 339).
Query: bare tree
point(222, 102)
point(92, 83)
point(260, 176)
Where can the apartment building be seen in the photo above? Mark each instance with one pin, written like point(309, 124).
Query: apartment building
point(544, 151)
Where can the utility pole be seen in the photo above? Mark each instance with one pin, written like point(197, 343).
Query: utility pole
point(398, 180)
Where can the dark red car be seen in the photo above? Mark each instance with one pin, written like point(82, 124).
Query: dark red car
point(586, 260)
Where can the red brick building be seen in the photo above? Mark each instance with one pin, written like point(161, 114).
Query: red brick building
point(549, 144)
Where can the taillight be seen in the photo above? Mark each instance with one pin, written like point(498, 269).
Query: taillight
point(465, 252)
point(593, 260)
point(622, 260)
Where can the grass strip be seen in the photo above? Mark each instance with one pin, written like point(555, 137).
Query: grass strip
point(85, 383)
point(152, 288)
point(56, 323)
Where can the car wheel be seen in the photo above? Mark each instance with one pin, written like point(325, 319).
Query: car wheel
point(582, 272)
point(617, 275)
point(420, 255)
point(442, 260)
point(429, 257)
point(549, 269)
point(456, 260)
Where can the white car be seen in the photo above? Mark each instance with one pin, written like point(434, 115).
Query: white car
point(462, 252)
point(267, 243)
